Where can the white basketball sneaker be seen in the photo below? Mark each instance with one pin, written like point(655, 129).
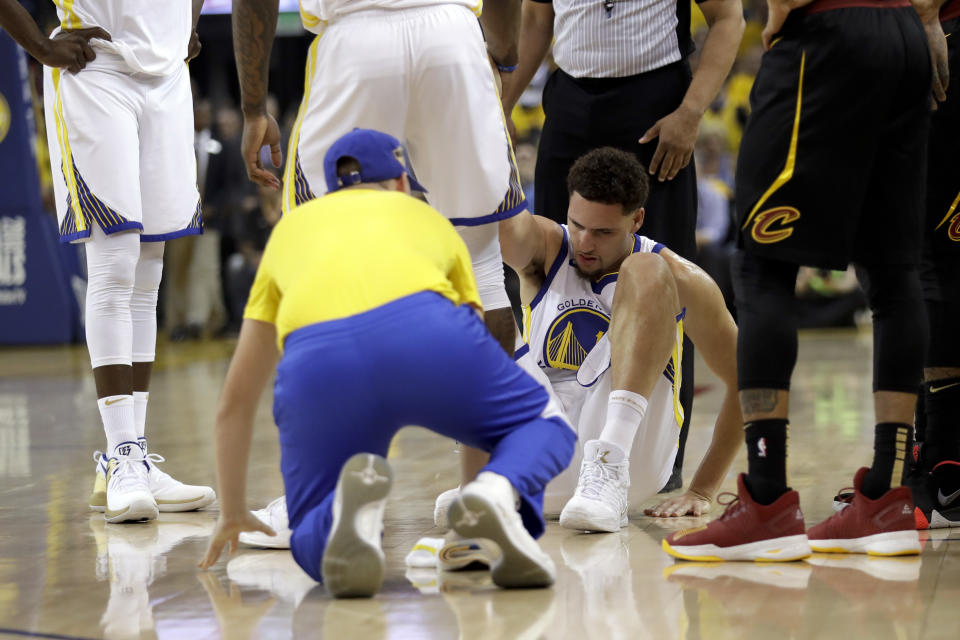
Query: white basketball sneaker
point(487, 509)
point(274, 515)
point(128, 496)
point(169, 494)
point(353, 563)
point(441, 508)
point(600, 501)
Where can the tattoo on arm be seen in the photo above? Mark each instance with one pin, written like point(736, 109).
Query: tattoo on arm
point(254, 27)
point(758, 401)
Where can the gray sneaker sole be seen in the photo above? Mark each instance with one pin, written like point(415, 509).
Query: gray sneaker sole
point(476, 517)
point(352, 567)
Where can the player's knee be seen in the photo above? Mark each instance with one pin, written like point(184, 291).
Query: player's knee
point(893, 288)
point(111, 270)
point(149, 269)
point(647, 274)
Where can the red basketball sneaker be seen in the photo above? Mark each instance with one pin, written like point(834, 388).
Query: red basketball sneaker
point(882, 527)
point(747, 530)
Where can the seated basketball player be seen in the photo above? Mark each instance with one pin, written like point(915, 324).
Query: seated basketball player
point(369, 296)
point(604, 317)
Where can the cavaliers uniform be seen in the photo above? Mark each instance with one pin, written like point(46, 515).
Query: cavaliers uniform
point(565, 328)
point(831, 162)
point(120, 132)
point(418, 70)
point(941, 264)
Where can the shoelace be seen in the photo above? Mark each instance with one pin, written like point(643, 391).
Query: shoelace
point(845, 495)
point(126, 473)
point(596, 480)
point(154, 458)
point(732, 504)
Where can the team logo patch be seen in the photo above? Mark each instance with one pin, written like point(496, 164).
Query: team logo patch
point(773, 225)
point(572, 335)
point(953, 231)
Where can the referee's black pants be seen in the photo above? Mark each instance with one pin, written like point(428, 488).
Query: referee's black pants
point(583, 114)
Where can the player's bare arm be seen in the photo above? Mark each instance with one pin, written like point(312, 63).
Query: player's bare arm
point(713, 331)
point(69, 49)
point(929, 12)
point(676, 133)
point(777, 13)
point(536, 34)
point(501, 29)
point(529, 243)
point(250, 370)
point(254, 27)
point(193, 50)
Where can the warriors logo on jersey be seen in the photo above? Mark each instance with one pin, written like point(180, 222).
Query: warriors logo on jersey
point(571, 336)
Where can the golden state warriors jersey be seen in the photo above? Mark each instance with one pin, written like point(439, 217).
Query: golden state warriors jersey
point(570, 314)
point(315, 13)
point(148, 36)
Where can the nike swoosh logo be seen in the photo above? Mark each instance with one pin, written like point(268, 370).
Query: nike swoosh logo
point(110, 402)
point(945, 500)
point(946, 386)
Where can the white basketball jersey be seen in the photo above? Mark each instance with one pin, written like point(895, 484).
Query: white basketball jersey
point(569, 316)
point(315, 13)
point(148, 36)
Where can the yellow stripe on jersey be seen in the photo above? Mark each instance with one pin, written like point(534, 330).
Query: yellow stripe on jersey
point(290, 172)
point(70, 19)
point(787, 172)
point(477, 9)
point(677, 373)
point(527, 321)
point(66, 158)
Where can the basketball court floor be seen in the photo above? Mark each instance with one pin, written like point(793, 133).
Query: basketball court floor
point(64, 573)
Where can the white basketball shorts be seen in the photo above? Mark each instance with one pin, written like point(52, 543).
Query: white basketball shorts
point(121, 150)
point(423, 76)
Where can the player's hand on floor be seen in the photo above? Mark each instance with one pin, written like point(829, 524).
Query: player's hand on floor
point(226, 533)
point(677, 133)
point(686, 504)
point(261, 131)
point(70, 49)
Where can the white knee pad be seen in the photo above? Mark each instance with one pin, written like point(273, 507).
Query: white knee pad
point(483, 242)
point(111, 264)
point(143, 302)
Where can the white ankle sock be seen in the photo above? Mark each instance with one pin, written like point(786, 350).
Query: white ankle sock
point(118, 422)
point(625, 411)
point(140, 411)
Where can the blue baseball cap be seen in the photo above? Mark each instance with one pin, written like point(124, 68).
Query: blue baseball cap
point(380, 156)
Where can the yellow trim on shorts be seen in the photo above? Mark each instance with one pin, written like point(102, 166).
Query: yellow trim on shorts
point(289, 173)
point(787, 172)
point(953, 207)
point(309, 20)
point(513, 196)
point(66, 156)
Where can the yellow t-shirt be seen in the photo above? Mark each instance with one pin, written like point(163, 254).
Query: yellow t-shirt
point(355, 250)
